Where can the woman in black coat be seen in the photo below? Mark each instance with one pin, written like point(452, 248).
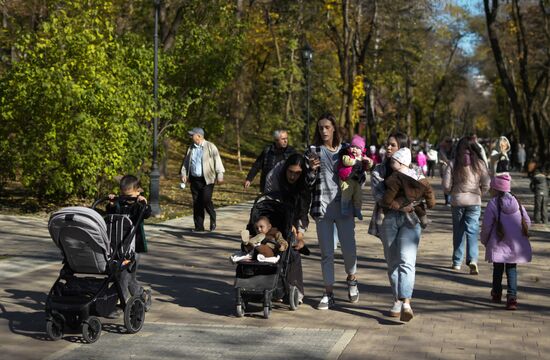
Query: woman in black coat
point(286, 182)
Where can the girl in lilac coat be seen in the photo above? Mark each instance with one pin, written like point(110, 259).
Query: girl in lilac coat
point(505, 235)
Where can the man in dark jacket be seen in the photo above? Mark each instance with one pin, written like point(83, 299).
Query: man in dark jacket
point(270, 156)
point(539, 187)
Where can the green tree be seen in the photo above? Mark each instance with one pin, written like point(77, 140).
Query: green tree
point(76, 103)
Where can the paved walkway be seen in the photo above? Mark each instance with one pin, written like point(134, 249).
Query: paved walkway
point(192, 316)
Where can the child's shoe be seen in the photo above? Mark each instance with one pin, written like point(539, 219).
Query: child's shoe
point(424, 221)
point(496, 297)
point(412, 219)
point(511, 303)
point(380, 216)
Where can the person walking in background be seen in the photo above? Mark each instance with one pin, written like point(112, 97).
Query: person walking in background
point(399, 237)
point(481, 150)
point(539, 187)
point(466, 179)
point(505, 234)
point(326, 209)
point(422, 161)
point(203, 168)
point(445, 156)
point(521, 157)
point(432, 160)
point(272, 154)
point(500, 160)
point(373, 155)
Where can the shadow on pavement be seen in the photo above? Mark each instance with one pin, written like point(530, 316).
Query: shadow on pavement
point(31, 324)
point(188, 289)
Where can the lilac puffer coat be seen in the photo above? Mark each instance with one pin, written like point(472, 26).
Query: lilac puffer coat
point(514, 247)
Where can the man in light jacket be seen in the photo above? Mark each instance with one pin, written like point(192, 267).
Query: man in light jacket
point(202, 168)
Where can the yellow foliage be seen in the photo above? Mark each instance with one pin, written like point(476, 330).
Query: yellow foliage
point(358, 97)
point(482, 123)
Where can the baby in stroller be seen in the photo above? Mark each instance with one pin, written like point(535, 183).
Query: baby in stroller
point(268, 242)
point(259, 276)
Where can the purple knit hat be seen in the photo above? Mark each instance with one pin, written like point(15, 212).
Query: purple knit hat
point(502, 182)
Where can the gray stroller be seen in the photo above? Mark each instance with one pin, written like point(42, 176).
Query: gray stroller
point(96, 253)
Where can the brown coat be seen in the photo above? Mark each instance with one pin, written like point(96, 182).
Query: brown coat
point(402, 189)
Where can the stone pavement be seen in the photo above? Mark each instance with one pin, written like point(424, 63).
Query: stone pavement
point(193, 311)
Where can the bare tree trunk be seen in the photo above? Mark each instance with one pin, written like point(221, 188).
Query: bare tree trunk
point(491, 11)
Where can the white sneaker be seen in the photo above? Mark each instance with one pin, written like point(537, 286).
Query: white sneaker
point(406, 312)
point(327, 301)
point(395, 311)
point(353, 291)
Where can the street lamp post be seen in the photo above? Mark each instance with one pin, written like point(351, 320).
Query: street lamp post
point(307, 57)
point(155, 175)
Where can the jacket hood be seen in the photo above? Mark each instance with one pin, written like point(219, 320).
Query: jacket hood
point(509, 204)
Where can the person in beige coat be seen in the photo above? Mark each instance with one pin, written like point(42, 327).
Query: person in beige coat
point(466, 179)
point(202, 168)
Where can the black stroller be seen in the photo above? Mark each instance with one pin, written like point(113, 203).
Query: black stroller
point(96, 252)
point(260, 281)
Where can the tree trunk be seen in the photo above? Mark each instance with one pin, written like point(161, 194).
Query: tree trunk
point(491, 11)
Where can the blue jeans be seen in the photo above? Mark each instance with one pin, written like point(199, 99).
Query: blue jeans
point(511, 277)
point(465, 230)
point(400, 242)
point(335, 225)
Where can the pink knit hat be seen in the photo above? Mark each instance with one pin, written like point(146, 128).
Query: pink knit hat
point(358, 141)
point(502, 182)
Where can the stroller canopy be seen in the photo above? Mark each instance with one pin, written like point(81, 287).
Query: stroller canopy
point(81, 234)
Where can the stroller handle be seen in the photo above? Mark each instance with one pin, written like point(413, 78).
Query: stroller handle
point(119, 197)
point(139, 220)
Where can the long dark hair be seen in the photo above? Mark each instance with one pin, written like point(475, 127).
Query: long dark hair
point(288, 189)
point(468, 153)
point(402, 141)
point(336, 139)
point(500, 228)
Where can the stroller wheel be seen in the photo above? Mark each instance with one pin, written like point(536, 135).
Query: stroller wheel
point(240, 310)
point(134, 314)
point(91, 329)
point(54, 329)
point(293, 297)
point(267, 312)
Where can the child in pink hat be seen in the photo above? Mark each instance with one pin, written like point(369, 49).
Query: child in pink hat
point(504, 233)
point(352, 175)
